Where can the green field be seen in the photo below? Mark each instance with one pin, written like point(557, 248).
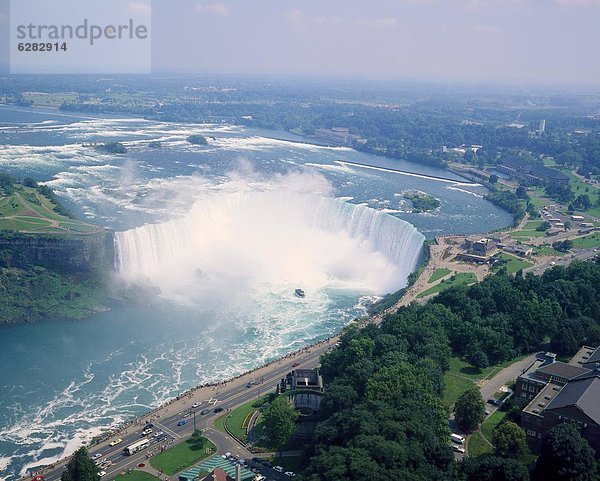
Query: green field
point(236, 418)
point(477, 445)
point(27, 210)
point(529, 230)
point(547, 250)
point(50, 100)
point(587, 242)
point(461, 375)
point(181, 457)
point(513, 263)
point(136, 476)
point(438, 274)
point(488, 426)
point(462, 278)
point(580, 188)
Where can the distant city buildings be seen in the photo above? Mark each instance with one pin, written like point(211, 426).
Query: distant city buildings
point(557, 392)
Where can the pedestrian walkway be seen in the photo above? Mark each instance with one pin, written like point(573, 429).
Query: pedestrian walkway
point(212, 463)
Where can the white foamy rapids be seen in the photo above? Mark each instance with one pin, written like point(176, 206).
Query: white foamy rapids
point(233, 242)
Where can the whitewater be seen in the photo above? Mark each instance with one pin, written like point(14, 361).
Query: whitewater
point(221, 235)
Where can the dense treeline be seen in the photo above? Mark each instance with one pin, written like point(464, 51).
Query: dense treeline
point(505, 316)
point(383, 416)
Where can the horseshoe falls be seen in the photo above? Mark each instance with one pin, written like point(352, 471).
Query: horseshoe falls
point(240, 244)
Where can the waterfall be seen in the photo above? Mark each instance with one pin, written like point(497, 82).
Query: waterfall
point(273, 236)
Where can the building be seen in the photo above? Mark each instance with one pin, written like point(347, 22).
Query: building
point(542, 127)
point(339, 135)
point(217, 474)
point(521, 250)
point(531, 172)
point(556, 392)
point(304, 388)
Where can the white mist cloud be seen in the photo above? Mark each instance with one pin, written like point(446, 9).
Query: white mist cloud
point(378, 22)
point(219, 9)
point(254, 237)
point(140, 8)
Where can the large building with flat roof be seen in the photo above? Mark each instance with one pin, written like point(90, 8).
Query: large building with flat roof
point(556, 392)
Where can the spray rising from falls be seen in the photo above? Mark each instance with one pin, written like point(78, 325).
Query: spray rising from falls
point(233, 243)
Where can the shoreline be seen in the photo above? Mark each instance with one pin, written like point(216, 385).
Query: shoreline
point(194, 394)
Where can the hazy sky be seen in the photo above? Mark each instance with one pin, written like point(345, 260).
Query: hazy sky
point(550, 41)
point(539, 40)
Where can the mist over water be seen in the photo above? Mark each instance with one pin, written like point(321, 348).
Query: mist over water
point(226, 241)
point(235, 244)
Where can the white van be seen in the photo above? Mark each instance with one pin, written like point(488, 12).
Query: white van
point(457, 438)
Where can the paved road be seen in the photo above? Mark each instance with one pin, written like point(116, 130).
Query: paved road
point(505, 376)
point(580, 255)
point(225, 397)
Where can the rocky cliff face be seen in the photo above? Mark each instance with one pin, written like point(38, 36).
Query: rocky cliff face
point(84, 254)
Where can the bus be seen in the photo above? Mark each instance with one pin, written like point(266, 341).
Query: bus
point(135, 447)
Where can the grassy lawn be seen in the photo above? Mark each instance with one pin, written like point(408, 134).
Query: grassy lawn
point(220, 423)
point(513, 264)
point(547, 250)
point(487, 427)
point(461, 376)
point(181, 457)
point(236, 418)
point(476, 445)
point(438, 274)
point(136, 476)
point(462, 278)
point(587, 242)
point(529, 230)
point(27, 210)
point(454, 387)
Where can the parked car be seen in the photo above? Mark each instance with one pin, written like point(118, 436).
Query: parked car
point(279, 469)
point(102, 473)
point(493, 402)
point(458, 449)
point(291, 474)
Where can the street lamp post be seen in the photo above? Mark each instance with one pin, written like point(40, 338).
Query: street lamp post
point(194, 411)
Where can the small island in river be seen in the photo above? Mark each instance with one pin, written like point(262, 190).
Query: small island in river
point(421, 201)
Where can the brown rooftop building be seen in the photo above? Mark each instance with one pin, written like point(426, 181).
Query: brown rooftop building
point(217, 474)
point(558, 392)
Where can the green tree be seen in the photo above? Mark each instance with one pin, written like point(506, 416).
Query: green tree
point(198, 439)
point(565, 456)
point(492, 468)
point(509, 440)
point(493, 179)
point(479, 359)
point(469, 409)
point(280, 422)
point(81, 468)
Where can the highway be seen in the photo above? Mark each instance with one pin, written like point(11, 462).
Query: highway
point(579, 255)
point(226, 397)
